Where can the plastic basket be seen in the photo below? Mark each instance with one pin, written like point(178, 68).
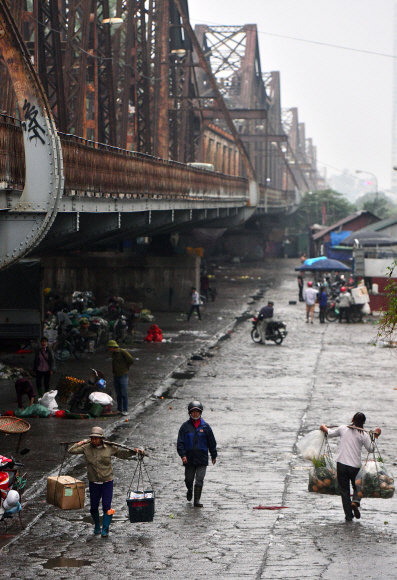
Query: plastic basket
point(141, 506)
point(140, 502)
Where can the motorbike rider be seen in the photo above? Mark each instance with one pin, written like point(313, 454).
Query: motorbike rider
point(265, 316)
point(345, 300)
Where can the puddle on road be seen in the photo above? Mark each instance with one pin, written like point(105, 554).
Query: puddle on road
point(62, 562)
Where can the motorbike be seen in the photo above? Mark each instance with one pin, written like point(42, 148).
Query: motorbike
point(12, 485)
point(355, 312)
point(276, 331)
point(68, 343)
point(79, 401)
point(81, 300)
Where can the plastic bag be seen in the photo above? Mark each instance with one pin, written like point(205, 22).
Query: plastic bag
point(34, 410)
point(366, 309)
point(322, 476)
point(95, 410)
point(311, 445)
point(101, 398)
point(373, 480)
point(48, 400)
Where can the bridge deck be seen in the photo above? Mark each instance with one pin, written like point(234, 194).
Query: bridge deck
point(94, 170)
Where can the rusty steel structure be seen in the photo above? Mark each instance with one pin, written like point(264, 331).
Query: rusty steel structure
point(126, 94)
point(281, 164)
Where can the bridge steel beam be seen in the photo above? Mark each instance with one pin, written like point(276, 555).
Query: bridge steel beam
point(27, 221)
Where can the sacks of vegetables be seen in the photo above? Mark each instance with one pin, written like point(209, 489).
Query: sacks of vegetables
point(322, 476)
point(373, 480)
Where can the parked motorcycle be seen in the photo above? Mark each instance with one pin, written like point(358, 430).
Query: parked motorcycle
point(12, 485)
point(355, 312)
point(79, 400)
point(276, 331)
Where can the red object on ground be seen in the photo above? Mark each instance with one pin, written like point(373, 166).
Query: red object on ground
point(9, 414)
point(60, 413)
point(271, 507)
point(4, 480)
point(154, 334)
point(24, 351)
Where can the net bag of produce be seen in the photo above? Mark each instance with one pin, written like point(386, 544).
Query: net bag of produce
point(322, 476)
point(373, 480)
point(311, 445)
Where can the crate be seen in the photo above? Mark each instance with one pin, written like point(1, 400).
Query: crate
point(141, 506)
point(65, 492)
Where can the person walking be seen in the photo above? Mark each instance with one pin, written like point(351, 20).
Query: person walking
point(195, 440)
point(195, 303)
point(345, 299)
point(310, 299)
point(121, 362)
point(348, 461)
point(43, 366)
point(98, 455)
point(300, 286)
point(322, 301)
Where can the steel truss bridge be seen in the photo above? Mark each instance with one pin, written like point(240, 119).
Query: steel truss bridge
point(100, 123)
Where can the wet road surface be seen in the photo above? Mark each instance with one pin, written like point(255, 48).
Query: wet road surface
point(259, 400)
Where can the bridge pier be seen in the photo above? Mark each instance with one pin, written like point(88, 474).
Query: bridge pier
point(160, 283)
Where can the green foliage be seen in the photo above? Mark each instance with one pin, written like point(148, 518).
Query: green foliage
point(388, 321)
point(310, 210)
point(377, 203)
point(320, 462)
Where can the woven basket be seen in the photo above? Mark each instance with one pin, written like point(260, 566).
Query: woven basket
point(13, 425)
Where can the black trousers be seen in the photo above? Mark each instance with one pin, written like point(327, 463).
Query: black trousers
point(46, 376)
point(192, 309)
point(194, 471)
point(347, 474)
point(344, 311)
point(323, 310)
point(301, 299)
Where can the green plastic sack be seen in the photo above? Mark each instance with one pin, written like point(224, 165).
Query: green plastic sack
point(95, 410)
point(34, 410)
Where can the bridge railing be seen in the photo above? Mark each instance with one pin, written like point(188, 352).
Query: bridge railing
point(97, 170)
point(273, 200)
point(12, 157)
point(104, 170)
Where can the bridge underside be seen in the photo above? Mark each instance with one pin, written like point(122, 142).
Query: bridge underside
point(86, 230)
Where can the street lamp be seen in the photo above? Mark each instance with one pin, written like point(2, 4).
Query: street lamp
point(375, 178)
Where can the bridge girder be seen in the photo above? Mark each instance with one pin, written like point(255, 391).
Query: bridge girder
point(24, 224)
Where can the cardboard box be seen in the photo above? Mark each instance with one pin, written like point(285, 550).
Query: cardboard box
point(360, 295)
point(65, 492)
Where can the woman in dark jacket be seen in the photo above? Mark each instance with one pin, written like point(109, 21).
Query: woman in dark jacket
point(43, 366)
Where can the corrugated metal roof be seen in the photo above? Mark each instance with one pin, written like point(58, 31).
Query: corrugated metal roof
point(341, 222)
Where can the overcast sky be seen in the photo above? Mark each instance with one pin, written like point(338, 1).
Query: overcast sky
point(343, 97)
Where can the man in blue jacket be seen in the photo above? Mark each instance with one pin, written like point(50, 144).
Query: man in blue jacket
point(195, 439)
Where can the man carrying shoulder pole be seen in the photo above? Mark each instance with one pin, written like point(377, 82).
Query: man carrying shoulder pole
point(98, 455)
